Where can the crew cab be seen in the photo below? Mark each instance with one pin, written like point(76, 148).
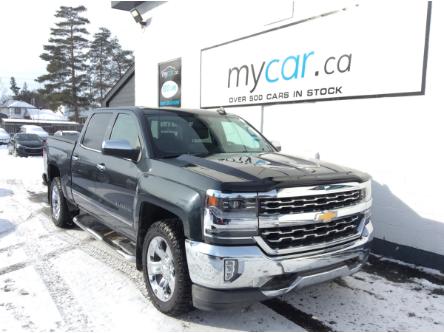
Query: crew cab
point(211, 212)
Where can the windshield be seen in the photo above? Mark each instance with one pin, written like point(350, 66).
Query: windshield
point(175, 134)
point(28, 137)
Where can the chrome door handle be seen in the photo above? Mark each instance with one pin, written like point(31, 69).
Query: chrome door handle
point(75, 158)
point(101, 167)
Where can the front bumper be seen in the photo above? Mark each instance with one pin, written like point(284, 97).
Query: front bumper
point(261, 276)
point(25, 151)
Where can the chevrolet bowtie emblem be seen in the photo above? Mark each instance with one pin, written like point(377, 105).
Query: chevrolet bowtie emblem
point(326, 216)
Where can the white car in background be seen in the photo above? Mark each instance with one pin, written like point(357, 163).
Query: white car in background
point(4, 137)
point(33, 129)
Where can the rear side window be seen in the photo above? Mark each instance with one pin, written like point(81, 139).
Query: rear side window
point(95, 132)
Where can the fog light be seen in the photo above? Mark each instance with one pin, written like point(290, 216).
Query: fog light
point(230, 269)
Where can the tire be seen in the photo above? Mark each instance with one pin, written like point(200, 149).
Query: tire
point(60, 214)
point(169, 231)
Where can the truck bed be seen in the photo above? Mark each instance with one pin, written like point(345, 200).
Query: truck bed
point(58, 152)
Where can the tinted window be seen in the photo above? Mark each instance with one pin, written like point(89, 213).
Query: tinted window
point(126, 128)
point(95, 133)
point(30, 137)
point(176, 134)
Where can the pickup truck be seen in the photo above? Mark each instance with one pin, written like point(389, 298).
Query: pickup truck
point(209, 209)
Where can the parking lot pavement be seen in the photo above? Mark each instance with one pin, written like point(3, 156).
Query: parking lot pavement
point(53, 279)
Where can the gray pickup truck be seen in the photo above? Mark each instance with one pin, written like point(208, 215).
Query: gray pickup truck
point(207, 207)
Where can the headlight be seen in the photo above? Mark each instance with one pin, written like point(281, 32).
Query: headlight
point(367, 190)
point(230, 217)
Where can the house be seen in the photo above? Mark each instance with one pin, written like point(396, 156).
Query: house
point(123, 92)
point(15, 109)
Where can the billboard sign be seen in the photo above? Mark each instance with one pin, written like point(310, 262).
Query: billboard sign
point(370, 50)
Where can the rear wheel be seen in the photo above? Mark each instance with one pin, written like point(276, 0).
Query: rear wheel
point(165, 268)
point(59, 208)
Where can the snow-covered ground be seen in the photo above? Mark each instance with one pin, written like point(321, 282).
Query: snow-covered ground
point(64, 280)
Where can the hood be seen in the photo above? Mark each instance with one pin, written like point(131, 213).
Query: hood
point(266, 171)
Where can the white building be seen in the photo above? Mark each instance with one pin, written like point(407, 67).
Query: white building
point(358, 82)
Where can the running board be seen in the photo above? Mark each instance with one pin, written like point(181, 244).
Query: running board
point(122, 245)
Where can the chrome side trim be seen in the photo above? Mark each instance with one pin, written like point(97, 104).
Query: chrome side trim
point(91, 149)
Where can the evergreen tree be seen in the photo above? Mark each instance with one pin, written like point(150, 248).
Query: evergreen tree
point(14, 87)
point(66, 80)
point(100, 57)
point(108, 63)
point(122, 59)
point(26, 95)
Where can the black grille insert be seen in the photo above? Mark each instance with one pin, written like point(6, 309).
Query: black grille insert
point(308, 204)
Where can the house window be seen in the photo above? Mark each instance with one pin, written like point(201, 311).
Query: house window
point(17, 111)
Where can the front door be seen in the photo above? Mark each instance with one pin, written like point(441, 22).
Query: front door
point(116, 184)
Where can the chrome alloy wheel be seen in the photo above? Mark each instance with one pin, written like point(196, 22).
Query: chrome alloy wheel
point(55, 202)
point(161, 271)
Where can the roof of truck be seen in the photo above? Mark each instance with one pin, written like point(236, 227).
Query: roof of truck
point(153, 110)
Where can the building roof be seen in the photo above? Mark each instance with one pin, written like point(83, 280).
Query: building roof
point(118, 85)
point(17, 104)
point(163, 109)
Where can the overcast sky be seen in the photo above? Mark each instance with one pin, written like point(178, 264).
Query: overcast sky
point(25, 27)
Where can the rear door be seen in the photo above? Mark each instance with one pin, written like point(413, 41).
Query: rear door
point(116, 184)
point(86, 159)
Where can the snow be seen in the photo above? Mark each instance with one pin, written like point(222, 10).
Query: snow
point(44, 114)
point(65, 280)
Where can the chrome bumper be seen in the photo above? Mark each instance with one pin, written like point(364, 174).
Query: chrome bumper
point(256, 269)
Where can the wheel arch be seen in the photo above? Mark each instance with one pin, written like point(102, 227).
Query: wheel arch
point(184, 204)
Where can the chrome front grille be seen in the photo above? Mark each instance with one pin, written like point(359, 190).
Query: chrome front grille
point(314, 235)
point(309, 203)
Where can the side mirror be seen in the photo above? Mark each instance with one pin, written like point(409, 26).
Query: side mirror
point(120, 148)
point(277, 145)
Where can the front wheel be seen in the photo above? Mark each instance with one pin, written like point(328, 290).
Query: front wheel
point(59, 208)
point(165, 268)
